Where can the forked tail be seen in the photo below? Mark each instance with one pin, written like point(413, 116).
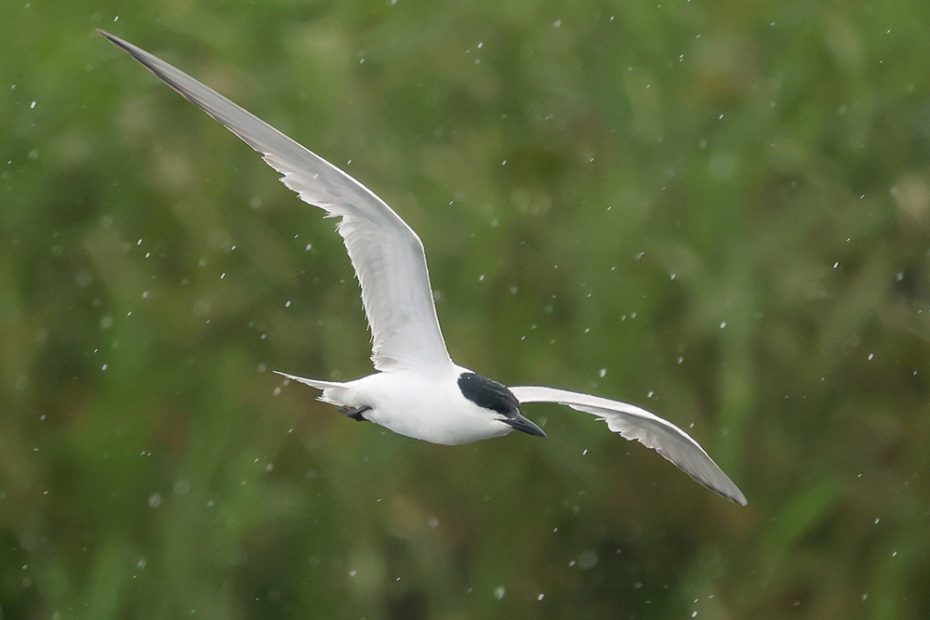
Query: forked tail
point(332, 390)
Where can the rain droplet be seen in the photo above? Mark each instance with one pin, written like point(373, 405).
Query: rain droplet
point(587, 560)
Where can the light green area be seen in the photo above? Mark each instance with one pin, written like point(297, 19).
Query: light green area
point(719, 211)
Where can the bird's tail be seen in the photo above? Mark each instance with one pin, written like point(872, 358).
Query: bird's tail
point(333, 391)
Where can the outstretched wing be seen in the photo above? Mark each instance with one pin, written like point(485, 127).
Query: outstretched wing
point(650, 430)
point(387, 255)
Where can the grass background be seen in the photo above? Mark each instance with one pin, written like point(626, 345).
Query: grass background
point(717, 210)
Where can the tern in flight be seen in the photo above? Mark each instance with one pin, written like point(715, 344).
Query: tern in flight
point(416, 389)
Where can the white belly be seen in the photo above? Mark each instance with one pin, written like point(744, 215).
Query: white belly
point(422, 407)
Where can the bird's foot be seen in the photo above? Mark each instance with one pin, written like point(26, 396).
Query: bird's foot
point(355, 412)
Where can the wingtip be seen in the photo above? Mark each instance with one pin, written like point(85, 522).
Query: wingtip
point(124, 45)
point(115, 40)
point(106, 35)
point(732, 493)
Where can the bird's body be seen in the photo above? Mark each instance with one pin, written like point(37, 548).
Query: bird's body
point(420, 405)
point(417, 390)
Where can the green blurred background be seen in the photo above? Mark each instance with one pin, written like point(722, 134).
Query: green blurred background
point(720, 211)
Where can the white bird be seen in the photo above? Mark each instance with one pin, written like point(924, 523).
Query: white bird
point(417, 390)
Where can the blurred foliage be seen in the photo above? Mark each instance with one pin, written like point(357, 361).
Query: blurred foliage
point(718, 210)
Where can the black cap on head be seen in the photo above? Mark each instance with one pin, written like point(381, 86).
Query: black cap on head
point(494, 396)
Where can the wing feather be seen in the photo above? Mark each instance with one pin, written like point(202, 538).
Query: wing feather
point(386, 254)
point(650, 430)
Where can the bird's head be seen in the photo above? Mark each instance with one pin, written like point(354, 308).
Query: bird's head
point(498, 400)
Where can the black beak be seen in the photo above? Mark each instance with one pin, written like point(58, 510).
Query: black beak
point(524, 425)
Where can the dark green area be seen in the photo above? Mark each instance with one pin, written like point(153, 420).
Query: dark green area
point(719, 211)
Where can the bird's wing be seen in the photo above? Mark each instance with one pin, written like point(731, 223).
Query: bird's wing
point(648, 429)
point(387, 255)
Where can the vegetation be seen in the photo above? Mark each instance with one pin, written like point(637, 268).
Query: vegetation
point(717, 210)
